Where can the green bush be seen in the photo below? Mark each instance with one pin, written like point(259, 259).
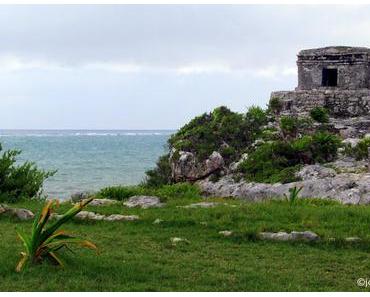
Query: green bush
point(120, 192)
point(361, 149)
point(324, 146)
point(20, 181)
point(320, 114)
point(270, 163)
point(278, 161)
point(275, 105)
point(289, 125)
point(160, 174)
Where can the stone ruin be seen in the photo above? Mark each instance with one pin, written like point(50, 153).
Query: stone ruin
point(337, 78)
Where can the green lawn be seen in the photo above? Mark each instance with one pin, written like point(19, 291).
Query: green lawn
point(138, 256)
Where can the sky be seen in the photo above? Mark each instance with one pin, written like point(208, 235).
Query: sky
point(155, 66)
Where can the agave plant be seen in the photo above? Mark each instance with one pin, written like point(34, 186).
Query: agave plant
point(45, 241)
point(293, 195)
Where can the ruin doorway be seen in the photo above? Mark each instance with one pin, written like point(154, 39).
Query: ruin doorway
point(329, 77)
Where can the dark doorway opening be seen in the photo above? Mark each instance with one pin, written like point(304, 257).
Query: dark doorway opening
point(329, 77)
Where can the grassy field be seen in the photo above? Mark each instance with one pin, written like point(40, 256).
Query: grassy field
point(139, 256)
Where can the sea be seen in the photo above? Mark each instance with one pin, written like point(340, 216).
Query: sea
point(88, 160)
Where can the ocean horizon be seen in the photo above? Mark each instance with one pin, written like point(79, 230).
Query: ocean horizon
point(87, 159)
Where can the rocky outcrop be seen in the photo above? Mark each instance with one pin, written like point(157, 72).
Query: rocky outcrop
point(144, 202)
point(185, 167)
point(317, 182)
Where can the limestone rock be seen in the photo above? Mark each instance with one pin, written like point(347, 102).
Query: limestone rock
point(352, 239)
point(280, 236)
point(347, 188)
point(144, 202)
point(235, 165)
point(293, 236)
point(184, 166)
point(119, 217)
point(226, 233)
point(306, 235)
point(21, 213)
point(201, 205)
point(315, 172)
point(176, 240)
point(78, 196)
point(103, 202)
point(89, 215)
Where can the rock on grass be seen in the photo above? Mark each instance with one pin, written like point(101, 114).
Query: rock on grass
point(144, 202)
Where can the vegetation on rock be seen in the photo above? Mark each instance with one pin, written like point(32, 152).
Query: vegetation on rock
point(320, 114)
point(277, 146)
point(277, 161)
point(221, 128)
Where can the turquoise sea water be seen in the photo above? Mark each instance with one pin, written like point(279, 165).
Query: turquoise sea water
point(88, 159)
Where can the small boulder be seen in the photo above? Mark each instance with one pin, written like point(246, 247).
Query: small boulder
point(103, 202)
point(293, 236)
point(176, 240)
point(144, 202)
point(201, 205)
point(353, 239)
point(77, 197)
point(226, 233)
point(306, 235)
point(280, 236)
point(310, 172)
point(21, 213)
point(119, 217)
point(89, 215)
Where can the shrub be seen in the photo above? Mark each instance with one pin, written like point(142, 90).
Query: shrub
point(288, 125)
point(20, 181)
point(270, 163)
point(275, 105)
point(320, 114)
point(177, 191)
point(45, 242)
point(120, 192)
point(160, 174)
point(324, 146)
point(360, 151)
point(278, 161)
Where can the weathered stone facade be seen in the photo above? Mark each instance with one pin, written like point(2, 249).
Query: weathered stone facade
point(352, 65)
point(337, 78)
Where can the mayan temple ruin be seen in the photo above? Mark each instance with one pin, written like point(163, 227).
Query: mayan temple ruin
point(337, 78)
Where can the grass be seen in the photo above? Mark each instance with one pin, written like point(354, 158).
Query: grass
point(139, 256)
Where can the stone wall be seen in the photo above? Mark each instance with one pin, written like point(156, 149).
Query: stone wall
point(340, 103)
point(349, 110)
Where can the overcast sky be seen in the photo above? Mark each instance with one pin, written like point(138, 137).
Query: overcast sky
point(155, 67)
